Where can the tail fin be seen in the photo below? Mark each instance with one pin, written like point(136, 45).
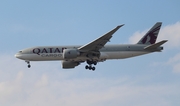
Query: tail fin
point(151, 36)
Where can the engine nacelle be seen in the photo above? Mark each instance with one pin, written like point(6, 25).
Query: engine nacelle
point(70, 53)
point(69, 64)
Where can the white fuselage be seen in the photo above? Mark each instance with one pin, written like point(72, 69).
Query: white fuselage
point(49, 53)
point(94, 51)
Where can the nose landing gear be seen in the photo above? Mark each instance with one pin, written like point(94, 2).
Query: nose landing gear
point(28, 62)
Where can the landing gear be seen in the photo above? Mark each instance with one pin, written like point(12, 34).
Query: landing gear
point(91, 62)
point(28, 62)
point(89, 66)
point(29, 66)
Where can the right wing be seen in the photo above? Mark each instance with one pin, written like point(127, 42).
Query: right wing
point(91, 49)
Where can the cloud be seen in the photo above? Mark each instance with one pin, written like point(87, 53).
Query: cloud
point(45, 85)
point(43, 81)
point(175, 63)
point(68, 93)
point(137, 36)
point(172, 34)
point(168, 32)
point(174, 59)
point(9, 89)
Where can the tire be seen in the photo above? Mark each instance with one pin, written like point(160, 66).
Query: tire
point(86, 67)
point(29, 66)
point(93, 68)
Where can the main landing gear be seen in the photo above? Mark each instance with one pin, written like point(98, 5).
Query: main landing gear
point(28, 62)
point(89, 66)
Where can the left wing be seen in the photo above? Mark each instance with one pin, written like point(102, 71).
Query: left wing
point(100, 42)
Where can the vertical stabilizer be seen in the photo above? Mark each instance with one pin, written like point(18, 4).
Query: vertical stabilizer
point(151, 36)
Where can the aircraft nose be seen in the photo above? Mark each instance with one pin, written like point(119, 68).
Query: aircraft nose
point(17, 55)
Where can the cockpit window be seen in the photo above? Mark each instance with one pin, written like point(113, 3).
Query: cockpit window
point(20, 51)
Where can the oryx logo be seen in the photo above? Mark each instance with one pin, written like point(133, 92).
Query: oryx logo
point(151, 36)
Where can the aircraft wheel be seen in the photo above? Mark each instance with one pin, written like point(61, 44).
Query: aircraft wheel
point(89, 62)
point(95, 63)
point(87, 67)
point(90, 67)
point(93, 68)
point(29, 66)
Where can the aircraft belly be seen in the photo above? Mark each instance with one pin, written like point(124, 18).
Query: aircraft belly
point(124, 54)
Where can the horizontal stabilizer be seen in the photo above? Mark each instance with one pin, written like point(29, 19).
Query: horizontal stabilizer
point(155, 46)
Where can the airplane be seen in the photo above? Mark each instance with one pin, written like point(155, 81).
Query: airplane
point(95, 51)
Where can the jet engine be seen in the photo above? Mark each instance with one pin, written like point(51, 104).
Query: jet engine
point(70, 53)
point(69, 64)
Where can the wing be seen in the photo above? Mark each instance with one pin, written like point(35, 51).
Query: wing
point(100, 42)
point(91, 48)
